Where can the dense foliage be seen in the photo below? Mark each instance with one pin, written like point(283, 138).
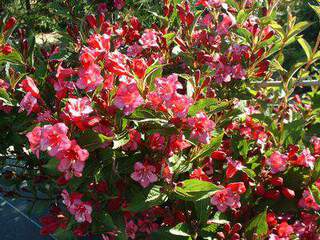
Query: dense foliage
point(162, 121)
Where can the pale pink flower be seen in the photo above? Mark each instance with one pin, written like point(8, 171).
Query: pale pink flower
point(81, 210)
point(316, 144)
point(277, 162)
point(63, 73)
point(89, 78)
point(34, 140)
point(28, 85)
point(54, 138)
point(227, 22)
point(177, 143)
point(306, 159)
point(144, 174)
point(308, 202)
point(179, 105)
point(29, 103)
point(131, 229)
point(99, 42)
point(225, 198)
point(78, 108)
point(128, 98)
point(134, 50)
point(202, 127)
point(167, 87)
point(119, 4)
point(149, 38)
point(72, 160)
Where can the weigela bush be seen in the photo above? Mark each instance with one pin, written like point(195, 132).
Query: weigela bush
point(165, 132)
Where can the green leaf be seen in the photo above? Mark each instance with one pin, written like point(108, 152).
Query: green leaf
point(51, 166)
point(316, 171)
point(180, 230)
point(169, 37)
point(298, 28)
point(242, 16)
point(306, 47)
point(258, 225)
point(13, 57)
point(315, 192)
point(209, 148)
point(244, 33)
point(316, 9)
point(4, 96)
point(278, 28)
point(209, 230)
point(202, 210)
point(117, 143)
point(201, 105)
point(156, 196)
point(195, 190)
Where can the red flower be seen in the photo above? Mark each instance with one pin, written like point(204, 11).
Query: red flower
point(139, 67)
point(199, 174)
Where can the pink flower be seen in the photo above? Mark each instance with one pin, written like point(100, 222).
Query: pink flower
point(149, 39)
point(134, 50)
point(28, 85)
point(63, 73)
point(177, 143)
point(90, 78)
point(131, 229)
point(210, 3)
point(72, 160)
point(77, 110)
point(277, 162)
point(284, 229)
point(316, 144)
point(306, 159)
point(307, 201)
point(202, 127)
point(199, 174)
point(119, 4)
point(179, 105)
point(128, 98)
point(29, 103)
point(54, 139)
point(156, 142)
point(99, 42)
point(225, 198)
point(167, 87)
point(116, 63)
point(34, 140)
point(144, 174)
point(134, 142)
point(81, 210)
point(227, 21)
point(233, 167)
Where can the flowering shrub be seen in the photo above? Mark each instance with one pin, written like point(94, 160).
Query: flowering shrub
point(166, 132)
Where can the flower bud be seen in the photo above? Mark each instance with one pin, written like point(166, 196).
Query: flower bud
point(288, 193)
point(10, 24)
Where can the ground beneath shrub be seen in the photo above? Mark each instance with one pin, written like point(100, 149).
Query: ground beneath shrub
point(15, 224)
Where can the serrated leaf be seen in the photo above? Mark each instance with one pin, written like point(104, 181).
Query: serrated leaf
point(155, 196)
point(316, 9)
point(202, 210)
point(242, 16)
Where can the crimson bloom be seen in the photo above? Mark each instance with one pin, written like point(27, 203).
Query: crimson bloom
point(277, 162)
